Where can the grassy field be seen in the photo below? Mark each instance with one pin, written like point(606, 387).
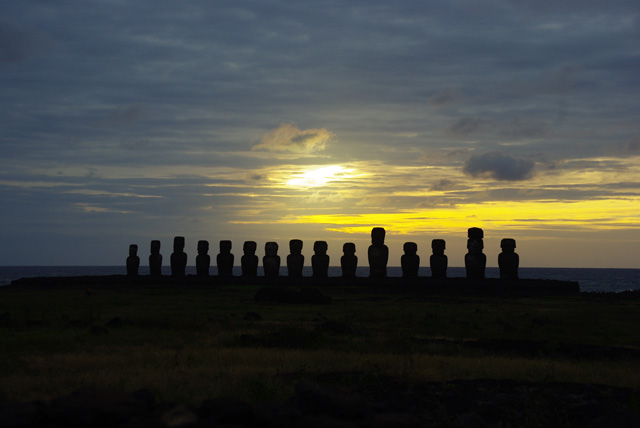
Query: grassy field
point(188, 345)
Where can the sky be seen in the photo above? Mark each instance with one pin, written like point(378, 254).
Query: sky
point(122, 122)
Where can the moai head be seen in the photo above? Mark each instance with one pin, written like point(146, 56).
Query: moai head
point(178, 244)
point(508, 245)
point(377, 236)
point(203, 247)
point(133, 250)
point(475, 246)
point(155, 247)
point(410, 248)
point(475, 233)
point(438, 246)
point(474, 243)
point(320, 247)
point(271, 249)
point(225, 247)
point(295, 246)
point(349, 248)
point(249, 247)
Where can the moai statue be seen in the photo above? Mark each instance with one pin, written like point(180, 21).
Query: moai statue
point(155, 259)
point(410, 260)
point(249, 260)
point(349, 261)
point(475, 261)
point(295, 260)
point(378, 254)
point(203, 260)
point(225, 259)
point(508, 260)
point(438, 260)
point(320, 260)
point(133, 261)
point(178, 257)
point(271, 260)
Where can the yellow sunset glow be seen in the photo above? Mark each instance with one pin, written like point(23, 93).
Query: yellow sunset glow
point(531, 215)
point(320, 176)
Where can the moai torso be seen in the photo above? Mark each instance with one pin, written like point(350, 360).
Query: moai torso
point(271, 260)
point(378, 254)
point(249, 260)
point(203, 259)
point(295, 260)
point(155, 259)
point(349, 261)
point(410, 260)
point(508, 260)
point(438, 260)
point(475, 261)
point(225, 259)
point(178, 257)
point(320, 260)
point(133, 261)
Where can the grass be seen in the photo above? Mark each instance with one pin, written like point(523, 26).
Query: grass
point(188, 345)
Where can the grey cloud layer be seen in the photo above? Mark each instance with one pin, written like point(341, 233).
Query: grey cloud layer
point(200, 83)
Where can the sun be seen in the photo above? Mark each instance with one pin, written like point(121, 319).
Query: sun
point(320, 176)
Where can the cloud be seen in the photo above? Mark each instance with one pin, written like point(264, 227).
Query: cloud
point(632, 146)
point(498, 166)
point(17, 45)
point(467, 125)
point(289, 138)
point(125, 116)
point(443, 184)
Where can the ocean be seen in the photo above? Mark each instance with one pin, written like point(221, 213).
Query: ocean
point(591, 280)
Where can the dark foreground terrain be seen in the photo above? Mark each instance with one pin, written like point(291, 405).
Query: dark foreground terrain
point(167, 354)
point(476, 403)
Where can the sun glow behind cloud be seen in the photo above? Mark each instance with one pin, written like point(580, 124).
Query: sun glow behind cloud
point(321, 176)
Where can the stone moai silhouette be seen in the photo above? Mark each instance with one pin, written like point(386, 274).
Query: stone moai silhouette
point(225, 259)
point(295, 260)
point(438, 260)
point(349, 261)
point(271, 260)
point(133, 261)
point(378, 254)
point(178, 257)
point(249, 260)
point(203, 260)
point(475, 261)
point(508, 259)
point(410, 260)
point(320, 260)
point(155, 259)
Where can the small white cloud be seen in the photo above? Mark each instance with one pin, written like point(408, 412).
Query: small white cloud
point(289, 138)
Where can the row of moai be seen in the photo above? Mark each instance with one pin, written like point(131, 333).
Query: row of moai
point(378, 256)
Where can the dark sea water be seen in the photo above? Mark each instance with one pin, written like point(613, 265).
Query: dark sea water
point(591, 280)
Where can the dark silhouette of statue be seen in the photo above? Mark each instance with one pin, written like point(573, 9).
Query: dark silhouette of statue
point(438, 260)
point(203, 260)
point(410, 260)
point(349, 261)
point(378, 254)
point(178, 257)
point(508, 259)
point(475, 261)
point(320, 260)
point(155, 259)
point(133, 261)
point(271, 260)
point(249, 260)
point(225, 259)
point(295, 260)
